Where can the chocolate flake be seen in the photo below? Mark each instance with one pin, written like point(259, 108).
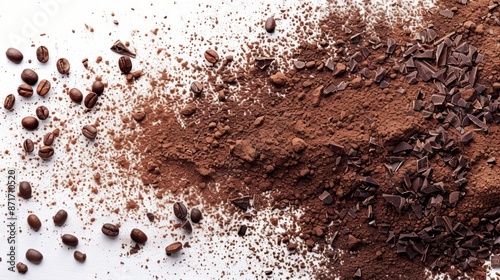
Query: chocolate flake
point(422, 164)
point(357, 274)
point(467, 137)
point(326, 198)
point(242, 202)
point(477, 122)
point(402, 147)
point(120, 48)
point(263, 62)
point(396, 200)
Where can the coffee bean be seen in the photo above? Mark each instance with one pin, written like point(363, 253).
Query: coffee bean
point(211, 56)
point(14, 55)
point(42, 54)
point(62, 66)
point(30, 123)
point(125, 64)
point(89, 131)
point(29, 76)
point(70, 240)
point(9, 101)
point(139, 116)
point(196, 215)
point(48, 139)
point(46, 152)
point(90, 100)
point(173, 248)
point(196, 87)
point(43, 87)
point(34, 222)
point(79, 256)
point(151, 217)
point(138, 236)
point(42, 112)
point(98, 87)
point(270, 24)
point(21, 268)
point(34, 256)
point(25, 190)
point(110, 230)
point(25, 90)
point(180, 210)
point(76, 95)
point(28, 145)
point(186, 225)
point(60, 217)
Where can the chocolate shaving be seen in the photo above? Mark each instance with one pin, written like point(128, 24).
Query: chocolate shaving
point(120, 48)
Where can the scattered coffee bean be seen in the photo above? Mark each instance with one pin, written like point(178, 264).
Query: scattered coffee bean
point(138, 236)
point(90, 100)
point(42, 54)
point(60, 217)
point(173, 248)
point(270, 25)
point(34, 256)
point(110, 230)
point(98, 87)
point(196, 215)
point(180, 210)
point(46, 152)
point(196, 87)
point(89, 131)
point(151, 217)
point(69, 240)
point(186, 225)
point(34, 222)
point(21, 268)
point(211, 56)
point(28, 145)
point(42, 112)
point(29, 76)
point(25, 190)
point(63, 66)
point(139, 116)
point(79, 256)
point(48, 139)
point(242, 230)
point(25, 90)
point(43, 87)
point(76, 95)
point(9, 101)
point(125, 64)
point(14, 55)
point(30, 123)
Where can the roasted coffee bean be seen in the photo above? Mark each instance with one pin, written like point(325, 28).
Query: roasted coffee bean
point(270, 25)
point(25, 190)
point(138, 236)
point(196, 215)
point(180, 210)
point(14, 55)
point(186, 225)
point(89, 131)
point(76, 95)
point(173, 248)
point(30, 123)
point(29, 76)
point(196, 87)
point(25, 90)
point(34, 256)
point(151, 217)
point(125, 64)
point(43, 87)
point(46, 152)
point(34, 222)
point(79, 256)
point(90, 100)
point(42, 112)
point(98, 87)
point(62, 66)
point(110, 230)
point(48, 139)
point(60, 217)
point(211, 56)
point(70, 240)
point(42, 54)
point(28, 145)
point(9, 101)
point(21, 268)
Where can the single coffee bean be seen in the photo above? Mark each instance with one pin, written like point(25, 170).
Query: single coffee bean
point(34, 222)
point(48, 139)
point(89, 131)
point(42, 112)
point(60, 217)
point(70, 240)
point(9, 101)
point(76, 95)
point(180, 210)
point(62, 66)
point(151, 217)
point(43, 87)
point(25, 190)
point(173, 248)
point(29, 76)
point(98, 87)
point(30, 123)
point(14, 55)
point(21, 268)
point(196, 215)
point(186, 225)
point(196, 87)
point(25, 90)
point(242, 230)
point(28, 145)
point(270, 25)
point(42, 54)
point(34, 256)
point(138, 236)
point(125, 64)
point(79, 256)
point(110, 230)
point(46, 152)
point(211, 56)
point(90, 100)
